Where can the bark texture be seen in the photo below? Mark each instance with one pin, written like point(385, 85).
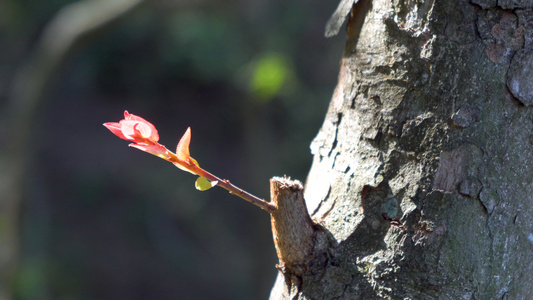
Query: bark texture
point(292, 228)
point(301, 245)
point(422, 170)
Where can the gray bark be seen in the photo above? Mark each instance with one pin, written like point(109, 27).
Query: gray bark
point(422, 172)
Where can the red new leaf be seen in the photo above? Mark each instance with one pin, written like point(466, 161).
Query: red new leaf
point(139, 131)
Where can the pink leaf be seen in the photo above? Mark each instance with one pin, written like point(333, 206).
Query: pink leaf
point(182, 151)
point(139, 131)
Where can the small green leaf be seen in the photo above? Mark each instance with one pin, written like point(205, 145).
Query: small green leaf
point(202, 184)
point(194, 161)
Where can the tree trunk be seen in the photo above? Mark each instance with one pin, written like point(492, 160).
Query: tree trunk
point(422, 172)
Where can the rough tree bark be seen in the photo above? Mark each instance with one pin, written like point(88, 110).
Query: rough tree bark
point(422, 173)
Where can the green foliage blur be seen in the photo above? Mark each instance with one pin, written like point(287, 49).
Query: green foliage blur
point(100, 220)
point(270, 74)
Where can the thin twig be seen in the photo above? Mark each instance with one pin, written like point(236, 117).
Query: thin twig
point(225, 184)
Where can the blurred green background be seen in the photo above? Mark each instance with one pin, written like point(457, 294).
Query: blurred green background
point(95, 219)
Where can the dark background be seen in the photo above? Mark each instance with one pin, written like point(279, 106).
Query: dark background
point(100, 220)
